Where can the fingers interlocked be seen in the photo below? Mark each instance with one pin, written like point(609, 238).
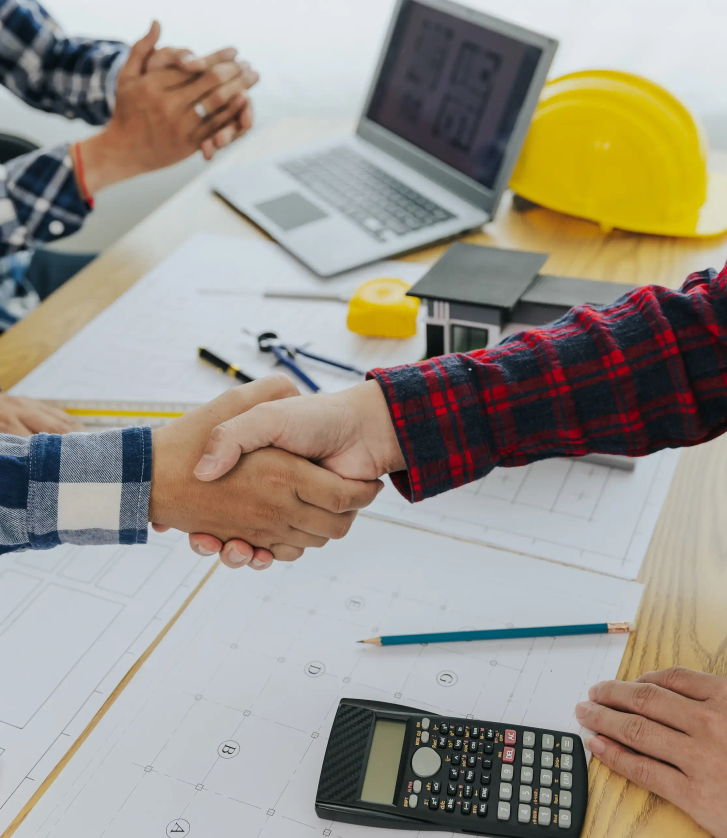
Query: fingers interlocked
point(217, 85)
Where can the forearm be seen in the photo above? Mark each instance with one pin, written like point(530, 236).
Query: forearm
point(646, 373)
point(75, 77)
point(76, 488)
point(103, 160)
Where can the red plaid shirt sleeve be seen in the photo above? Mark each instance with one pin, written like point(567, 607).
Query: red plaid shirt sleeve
point(648, 372)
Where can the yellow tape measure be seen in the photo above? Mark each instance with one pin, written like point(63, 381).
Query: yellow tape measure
point(380, 308)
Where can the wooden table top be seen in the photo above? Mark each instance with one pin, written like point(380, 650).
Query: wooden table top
point(682, 620)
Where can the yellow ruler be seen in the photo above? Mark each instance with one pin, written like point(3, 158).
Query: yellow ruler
point(111, 414)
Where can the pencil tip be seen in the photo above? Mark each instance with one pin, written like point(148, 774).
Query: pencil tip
point(360, 641)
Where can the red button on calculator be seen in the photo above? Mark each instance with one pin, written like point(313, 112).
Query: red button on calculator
point(510, 737)
point(508, 755)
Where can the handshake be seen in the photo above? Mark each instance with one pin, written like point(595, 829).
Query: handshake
point(261, 473)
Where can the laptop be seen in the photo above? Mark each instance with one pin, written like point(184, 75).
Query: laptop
point(443, 123)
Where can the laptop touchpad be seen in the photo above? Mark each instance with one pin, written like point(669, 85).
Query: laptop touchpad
point(291, 211)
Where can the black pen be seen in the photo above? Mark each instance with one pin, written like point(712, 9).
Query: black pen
point(230, 369)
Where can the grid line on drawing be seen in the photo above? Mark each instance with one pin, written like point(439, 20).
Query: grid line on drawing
point(16, 594)
point(39, 692)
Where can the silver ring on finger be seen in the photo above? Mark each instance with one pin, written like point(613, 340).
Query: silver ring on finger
point(200, 110)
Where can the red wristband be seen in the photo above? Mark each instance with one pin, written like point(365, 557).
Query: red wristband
point(85, 194)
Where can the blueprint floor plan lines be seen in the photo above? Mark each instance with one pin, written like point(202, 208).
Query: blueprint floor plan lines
point(73, 621)
point(562, 510)
point(256, 665)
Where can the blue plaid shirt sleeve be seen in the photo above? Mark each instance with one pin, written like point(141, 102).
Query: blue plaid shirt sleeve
point(39, 200)
point(75, 77)
point(74, 489)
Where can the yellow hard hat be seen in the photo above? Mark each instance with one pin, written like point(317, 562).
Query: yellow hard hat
point(620, 150)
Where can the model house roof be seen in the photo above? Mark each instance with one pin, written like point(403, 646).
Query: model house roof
point(475, 275)
point(568, 291)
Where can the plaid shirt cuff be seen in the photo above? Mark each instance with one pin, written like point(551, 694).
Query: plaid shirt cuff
point(89, 488)
point(39, 200)
point(423, 399)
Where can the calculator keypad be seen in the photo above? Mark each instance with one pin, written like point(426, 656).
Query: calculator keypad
point(533, 779)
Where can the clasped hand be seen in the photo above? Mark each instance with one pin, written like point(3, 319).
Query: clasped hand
point(349, 433)
point(272, 499)
point(169, 104)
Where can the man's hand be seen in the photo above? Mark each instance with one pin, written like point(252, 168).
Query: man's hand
point(350, 433)
point(162, 117)
point(188, 62)
point(667, 732)
point(272, 499)
point(23, 417)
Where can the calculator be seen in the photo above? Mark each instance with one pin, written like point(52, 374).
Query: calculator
point(392, 766)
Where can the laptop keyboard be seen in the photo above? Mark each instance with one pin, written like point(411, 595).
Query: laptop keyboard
point(374, 200)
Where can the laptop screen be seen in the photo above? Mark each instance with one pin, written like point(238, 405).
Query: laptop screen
point(452, 88)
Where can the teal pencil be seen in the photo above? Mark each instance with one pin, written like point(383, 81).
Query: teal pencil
point(499, 634)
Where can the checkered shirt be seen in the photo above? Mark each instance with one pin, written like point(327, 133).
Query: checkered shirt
point(75, 77)
point(76, 488)
point(648, 372)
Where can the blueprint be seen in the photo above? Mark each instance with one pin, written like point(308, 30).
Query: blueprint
point(582, 514)
point(73, 621)
point(144, 346)
point(223, 730)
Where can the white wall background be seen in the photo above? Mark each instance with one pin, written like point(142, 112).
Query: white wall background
point(315, 57)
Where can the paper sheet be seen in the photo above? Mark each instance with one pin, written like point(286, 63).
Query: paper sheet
point(144, 348)
point(259, 662)
point(382, 577)
point(73, 621)
point(582, 514)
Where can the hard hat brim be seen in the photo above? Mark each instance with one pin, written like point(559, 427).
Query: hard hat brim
point(713, 214)
point(711, 219)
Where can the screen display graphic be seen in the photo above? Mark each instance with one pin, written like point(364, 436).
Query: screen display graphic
point(454, 89)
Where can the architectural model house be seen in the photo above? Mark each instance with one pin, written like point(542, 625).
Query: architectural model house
point(474, 293)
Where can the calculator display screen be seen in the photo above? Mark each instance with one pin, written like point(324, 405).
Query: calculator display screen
point(383, 765)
